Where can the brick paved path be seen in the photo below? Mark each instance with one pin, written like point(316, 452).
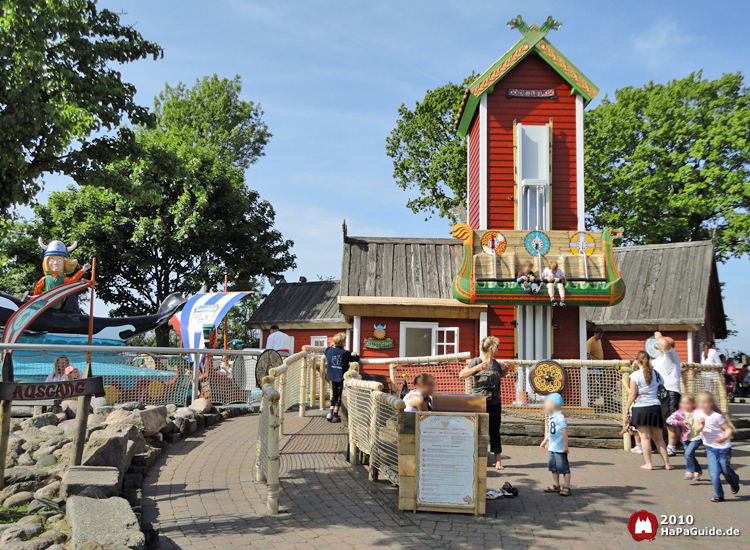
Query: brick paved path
point(205, 497)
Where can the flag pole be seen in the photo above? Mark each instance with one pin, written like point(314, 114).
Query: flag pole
point(84, 402)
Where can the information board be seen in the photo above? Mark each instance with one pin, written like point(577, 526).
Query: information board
point(446, 460)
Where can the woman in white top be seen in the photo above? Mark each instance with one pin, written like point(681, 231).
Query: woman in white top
point(710, 355)
point(58, 372)
point(647, 415)
point(418, 398)
point(554, 277)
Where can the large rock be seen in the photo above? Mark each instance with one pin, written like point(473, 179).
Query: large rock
point(19, 532)
point(119, 415)
point(153, 419)
point(201, 405)
point(78, 478)
point(54, 536)
point(129, 406)
point(97, 402)
point(46, 419)
point(26, 460)
point(19, 474)
point(47, 461)
point(48, 491)
point(35, 544)
point(53, 430)
point(110, 523)
point(19, 499)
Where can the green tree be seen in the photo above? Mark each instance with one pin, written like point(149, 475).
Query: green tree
point(58, 89)
point(427, 154)
point(671, 162)
point(193, 222)
point(20, 259)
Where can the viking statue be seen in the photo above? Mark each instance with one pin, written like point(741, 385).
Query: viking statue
point(56, 263)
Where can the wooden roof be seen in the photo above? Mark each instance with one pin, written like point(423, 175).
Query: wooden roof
point(404, 268)
point(292, 305)
point(667, 285)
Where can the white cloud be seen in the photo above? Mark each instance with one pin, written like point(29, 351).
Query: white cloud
point(661, 44)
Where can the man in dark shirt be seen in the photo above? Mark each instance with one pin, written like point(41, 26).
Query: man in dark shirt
point(337, 360)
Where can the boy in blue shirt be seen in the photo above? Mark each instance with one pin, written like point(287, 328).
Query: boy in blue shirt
point(556, 441)
point(337, 361)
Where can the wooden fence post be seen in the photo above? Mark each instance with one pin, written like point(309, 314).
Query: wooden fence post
point(272, 483)
point(313, 382)
point(373, 471)
point(303, 387)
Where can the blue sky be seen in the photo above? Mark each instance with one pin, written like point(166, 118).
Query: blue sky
point(330, 77)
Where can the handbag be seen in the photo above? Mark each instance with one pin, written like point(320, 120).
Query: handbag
point(661, 392)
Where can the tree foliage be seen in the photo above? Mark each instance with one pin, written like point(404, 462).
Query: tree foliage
point(193, 222)
point(671, 162)
point(427, 154)
point(58, 89)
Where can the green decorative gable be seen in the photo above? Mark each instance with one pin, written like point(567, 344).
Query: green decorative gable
point(534, 40)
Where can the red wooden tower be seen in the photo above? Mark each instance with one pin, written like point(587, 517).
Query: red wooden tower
point(523, 119)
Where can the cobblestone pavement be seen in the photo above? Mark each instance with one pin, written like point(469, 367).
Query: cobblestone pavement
point(205, 497)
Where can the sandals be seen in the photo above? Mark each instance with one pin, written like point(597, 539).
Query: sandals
point(552, 489)
point(564, 491)
point(717, 499)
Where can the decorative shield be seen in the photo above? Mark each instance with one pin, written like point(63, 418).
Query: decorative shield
point(537, 243)
point(582, 244)
point(652, 347)
point(494, 243)
point(267, 360)
point(547, 377)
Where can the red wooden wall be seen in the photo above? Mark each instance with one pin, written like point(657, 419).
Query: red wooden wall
point(302, 336)
point(473, 171)
point(531, 73)
point(633, 342)
point(565, 333)
point(467, 338)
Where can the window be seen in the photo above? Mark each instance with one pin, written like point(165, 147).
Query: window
point(424, 339)
point(319, 341)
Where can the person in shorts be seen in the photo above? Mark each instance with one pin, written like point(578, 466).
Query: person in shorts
point(337, 361)
point(556, 441)
point(668, 366)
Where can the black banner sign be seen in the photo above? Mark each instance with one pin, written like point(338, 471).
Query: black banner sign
point(34, 391)
point(546, 94)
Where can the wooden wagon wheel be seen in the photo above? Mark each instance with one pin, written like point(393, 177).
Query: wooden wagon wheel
point(548, 377)
point(267, 360)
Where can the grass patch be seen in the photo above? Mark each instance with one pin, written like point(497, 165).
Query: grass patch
point(12, 515)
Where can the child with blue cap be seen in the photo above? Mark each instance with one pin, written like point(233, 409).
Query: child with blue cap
point(556, 441)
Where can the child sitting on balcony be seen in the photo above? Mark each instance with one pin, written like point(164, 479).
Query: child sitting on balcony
point(554, 277)
point(526, 277)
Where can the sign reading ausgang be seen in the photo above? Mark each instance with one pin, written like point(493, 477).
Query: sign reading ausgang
point(19, 391)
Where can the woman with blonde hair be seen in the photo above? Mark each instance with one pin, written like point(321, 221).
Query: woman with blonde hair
point(488, 374)
point(647, 415)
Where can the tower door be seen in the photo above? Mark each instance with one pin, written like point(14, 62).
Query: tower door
point(533, 168)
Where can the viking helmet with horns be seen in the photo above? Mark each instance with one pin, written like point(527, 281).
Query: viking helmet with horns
point(57, 248)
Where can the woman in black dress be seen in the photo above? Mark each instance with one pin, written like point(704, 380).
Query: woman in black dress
point(487, 373)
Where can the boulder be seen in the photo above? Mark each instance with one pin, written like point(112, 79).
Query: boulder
point(90, 546)
point(26, 460)
point(70, 408)
point(36, 506)
point(119, 415)
point(46, 419)
point(47, 461)
point(110, 523)
point(184, 412)
point(54, 536)
point(78, 478)
point(171, 408)
point(93, 492)
point(36, 544)
point(61, 417)
point(103, 410)
point(56, 517)
point(129, 406)
point(48, 491)
point(11, 490)
point(35, 518)
point(15, 446)
point(153, 419)
point(19, 499)
point(30, 446)
point(201, 405)
point(19, 532)
point(97, 402)
point(53, 430)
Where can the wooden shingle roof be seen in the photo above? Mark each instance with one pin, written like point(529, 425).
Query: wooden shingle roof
point(396, 267)
point(668, 285)
point(294, 305)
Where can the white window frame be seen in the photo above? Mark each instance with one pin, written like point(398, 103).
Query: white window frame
point(313, 338)
point(537, 187)
point(445, 330)
point(435, 327)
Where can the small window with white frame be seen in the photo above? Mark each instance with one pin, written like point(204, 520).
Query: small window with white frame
point(446, 340)
point(319, 341)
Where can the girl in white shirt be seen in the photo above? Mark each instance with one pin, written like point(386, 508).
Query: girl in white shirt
point(716, 434)
point(554, 277)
